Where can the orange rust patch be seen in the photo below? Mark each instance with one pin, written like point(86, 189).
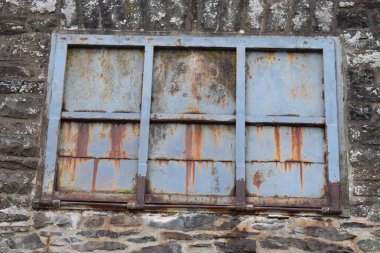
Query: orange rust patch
point(291, 57)
point(277, 144)
point(258, 179)
point(300, 90)
point(270, 58)
point(193, 151)
point(193, 109)
point(259, 59)
point(67, 138)
point(83, 38)
point(118, 136)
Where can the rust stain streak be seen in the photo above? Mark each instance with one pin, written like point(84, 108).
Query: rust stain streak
point(296, 149)
point(68, 138)
point(95, 174)
point(296, 143)
point(193, 151)
point(83, 139)
point(291, 57)
point(271, 58)
point(118, 136)
point(277, 144)
point(258, 179)
point(259, 131)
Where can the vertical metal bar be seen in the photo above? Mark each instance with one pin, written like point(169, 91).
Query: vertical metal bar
point(54, 115)
point(240, 127)
point(144, 125)
point(331, 112)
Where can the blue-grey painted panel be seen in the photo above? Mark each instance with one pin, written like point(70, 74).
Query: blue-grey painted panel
point(331, 113)
point(192, 142)
point(194, 81)
point(99, 140)
point(288, 179)
point(194, 41)
point(191, 177)
point(75, 174)
point(103, 79)
point(284, 83)
point(115, 175)
point(271, 143)
point(145, 113)
point(55, 96)
point(240, 115)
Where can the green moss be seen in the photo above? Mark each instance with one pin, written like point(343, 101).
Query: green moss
point(126, 191)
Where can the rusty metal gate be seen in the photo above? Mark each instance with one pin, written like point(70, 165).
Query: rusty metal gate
point(193, 121)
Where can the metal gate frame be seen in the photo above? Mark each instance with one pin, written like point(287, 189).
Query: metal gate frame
point(59, 47)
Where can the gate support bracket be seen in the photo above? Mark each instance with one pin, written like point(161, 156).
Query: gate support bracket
point(334, 207)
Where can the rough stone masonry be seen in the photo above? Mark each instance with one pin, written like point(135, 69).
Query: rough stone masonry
point(25, 30)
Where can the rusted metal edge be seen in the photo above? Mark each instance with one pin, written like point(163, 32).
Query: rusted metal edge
point(240, 200)
point(161, 117)
point(334, 200)
point(287, 202)
point(272, 42)
point(94, 196)
point(132, 206)
point(141, 186)
point(182, 199)
point(286, 120)
point(100, 116)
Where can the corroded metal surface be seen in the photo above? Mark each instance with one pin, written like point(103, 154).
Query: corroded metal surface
point(192, 142)
point(75, 174)
point(103, 79)
point(192, 160)
point(280, 144)
point(286, 162)
point(194, 81)
point(284, 83)
point(191, 177)
point(96, 175)
point(90, 157)
point(286, 179)
point(99, 140)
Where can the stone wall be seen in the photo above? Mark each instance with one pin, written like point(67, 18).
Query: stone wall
point(25, 30)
